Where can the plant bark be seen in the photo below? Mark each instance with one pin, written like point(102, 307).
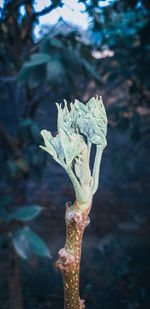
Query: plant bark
point(69, 256)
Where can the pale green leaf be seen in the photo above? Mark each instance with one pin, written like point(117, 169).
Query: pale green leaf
point(26, 243)
point(37, 245)
point(21, 244)
point(55, 71)
point(47, 136)
point(37, 59)
point(26, 213)
point(71, 144)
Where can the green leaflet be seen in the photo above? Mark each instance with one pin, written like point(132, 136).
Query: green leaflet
point(88, 126)
point(25, 213)
point(47, 136)
point(65, 120)
point(26, 243)
point(71, 144)
point(91, 120)
point(58, 147)
point(37, 59)
point(80, 107)
point(52, 145)
point(97, 110)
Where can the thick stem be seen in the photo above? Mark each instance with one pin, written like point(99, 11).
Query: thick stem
point(69, 257)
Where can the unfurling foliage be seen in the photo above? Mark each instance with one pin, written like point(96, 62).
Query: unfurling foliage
point(79, 128)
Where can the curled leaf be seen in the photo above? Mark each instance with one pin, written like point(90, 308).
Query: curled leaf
point(71, 144)
point(47, 136)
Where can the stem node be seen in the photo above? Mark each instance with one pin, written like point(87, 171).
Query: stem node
point(65, 260)
point(82, 305)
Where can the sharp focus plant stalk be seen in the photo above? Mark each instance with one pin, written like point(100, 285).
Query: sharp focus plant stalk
point(78, 129)
point(70, 255)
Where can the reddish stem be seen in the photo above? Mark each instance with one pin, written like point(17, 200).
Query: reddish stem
point(69, 257)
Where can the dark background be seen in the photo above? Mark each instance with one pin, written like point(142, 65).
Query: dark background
point(112, 59)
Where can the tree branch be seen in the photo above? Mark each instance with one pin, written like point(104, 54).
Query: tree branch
point(47, 9)
point(35, 14)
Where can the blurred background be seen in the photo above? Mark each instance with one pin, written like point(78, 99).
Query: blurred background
point(51, 50)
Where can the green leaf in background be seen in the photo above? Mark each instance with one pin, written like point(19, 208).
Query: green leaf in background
point(26, 243)
point(55, 71)
point(32, 75)
point(55, 42)
point(45, 46)
point(26, 213)
point(37, 59)
point(37, 244)
point(25, 122)
point(21, 244)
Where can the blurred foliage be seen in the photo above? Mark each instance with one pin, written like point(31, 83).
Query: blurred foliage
point(65, 61)
point(24, 240)
point(59, 60)
point(19, 240)
point(27, 161)
point(16, 32)
point(124, 27)
point(118, 278)
point(123, 31)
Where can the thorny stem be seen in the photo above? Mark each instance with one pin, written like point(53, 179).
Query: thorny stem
point(69, 256)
